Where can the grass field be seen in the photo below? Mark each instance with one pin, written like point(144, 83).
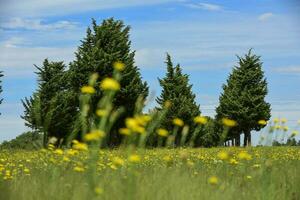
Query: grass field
point(216, 173)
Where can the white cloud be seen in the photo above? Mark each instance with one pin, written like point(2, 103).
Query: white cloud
point(63, 7)
point(288, 70)
point(205, 6)
point(18, 61)
point(265, 16)
point(13, 42)
point(36, 24)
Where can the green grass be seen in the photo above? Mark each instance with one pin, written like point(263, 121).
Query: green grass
point(270, 173)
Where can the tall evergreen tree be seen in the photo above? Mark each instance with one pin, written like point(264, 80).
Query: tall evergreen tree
point(177, 90)
point(243, 98)
point(50, 109)
point(1, 75)
point(103, 45)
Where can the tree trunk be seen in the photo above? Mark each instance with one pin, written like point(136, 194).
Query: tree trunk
point(237, 141)
point(247, 138)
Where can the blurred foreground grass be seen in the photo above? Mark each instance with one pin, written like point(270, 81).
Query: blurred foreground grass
point(216, 173)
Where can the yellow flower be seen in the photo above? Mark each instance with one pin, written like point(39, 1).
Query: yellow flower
point(283, 120)
point(124, 131)
point(223, 155)
point(80, 146)
point(200, 120)
point(243, 155)
point(294, 133)
point(262, 122)
point(101, 112)
point(110, 84)
point(88, 90)
point(118, 161)
point(134, 158)
point(98, 190)
point(26, 170)
point(94, 135)
point(162, 132)
point(285, 128)
point(78, 169)
point(134, 125)
point(167, 158)
point(59, 152)
point(249, 177)
point(178, 122)
point(233, 161)
point(229, 122)
point(119, 66)
point(276, 120)
point(213, 180)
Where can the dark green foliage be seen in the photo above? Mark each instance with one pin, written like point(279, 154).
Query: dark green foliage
point(177, 90)
point(207, 136)
point(28, 141)
point(1, 75)
point(289, 142)
point(105, 44)
point(51, 108)
point(243, 98)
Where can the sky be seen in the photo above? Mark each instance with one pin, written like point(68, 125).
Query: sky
point(203, 36)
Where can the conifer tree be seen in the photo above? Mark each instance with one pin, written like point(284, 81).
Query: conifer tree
point(243, 98)
point(177, 90)
point(103, 45)
point(50, 109)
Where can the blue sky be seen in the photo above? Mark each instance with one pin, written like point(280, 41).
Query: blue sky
point(203, 36)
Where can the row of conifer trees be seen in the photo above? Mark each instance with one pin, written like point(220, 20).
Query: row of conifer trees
point(54, 108)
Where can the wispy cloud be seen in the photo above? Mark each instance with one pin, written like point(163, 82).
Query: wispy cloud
point(28, 56)
point(36, 24)
point(64, 7)
point(288, 70)
point(205, 6)
point(265, 16)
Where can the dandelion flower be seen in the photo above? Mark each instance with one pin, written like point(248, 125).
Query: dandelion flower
point(119, 66)
point(223, 155)
point(162, 132)
point(87, 90)
point(94, 135)
point(80, 146)
point(213, 180)
point(229, 122)
point(262, 122)
point(200, 120)
point(134, 158)
point(178, 122)
point(98, 190)
point(124, 131)
point(110, 84)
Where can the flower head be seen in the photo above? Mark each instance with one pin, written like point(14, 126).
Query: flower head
point(162, 132)
point(200, 120)
point(178, 122)
point(87, 90)
point(262, 122)
point(110, 84)
point(213, 180)
point(119, 66)
point(94, 135)
point(229, 122)
point(134, 158)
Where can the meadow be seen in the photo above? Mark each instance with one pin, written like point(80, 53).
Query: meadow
point(215, 173)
